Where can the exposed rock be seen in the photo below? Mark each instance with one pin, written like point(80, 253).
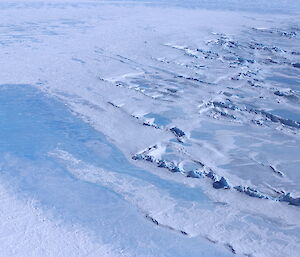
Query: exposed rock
point(178, 132)
point(222, 183)
point(278, 172)
point(195, 174)
point(162, 164)
point(251, 192)
point(296, 65)
point(138, 157)
point(288, 198)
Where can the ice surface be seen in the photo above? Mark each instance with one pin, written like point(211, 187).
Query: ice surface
point(38, 128)
point(150, 128)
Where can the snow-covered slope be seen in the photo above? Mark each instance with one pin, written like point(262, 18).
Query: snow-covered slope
point(158, 128)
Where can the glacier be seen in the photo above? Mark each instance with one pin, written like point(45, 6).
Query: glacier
point(149, 128)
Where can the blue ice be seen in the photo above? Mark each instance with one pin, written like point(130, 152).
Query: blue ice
point(32, 124)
